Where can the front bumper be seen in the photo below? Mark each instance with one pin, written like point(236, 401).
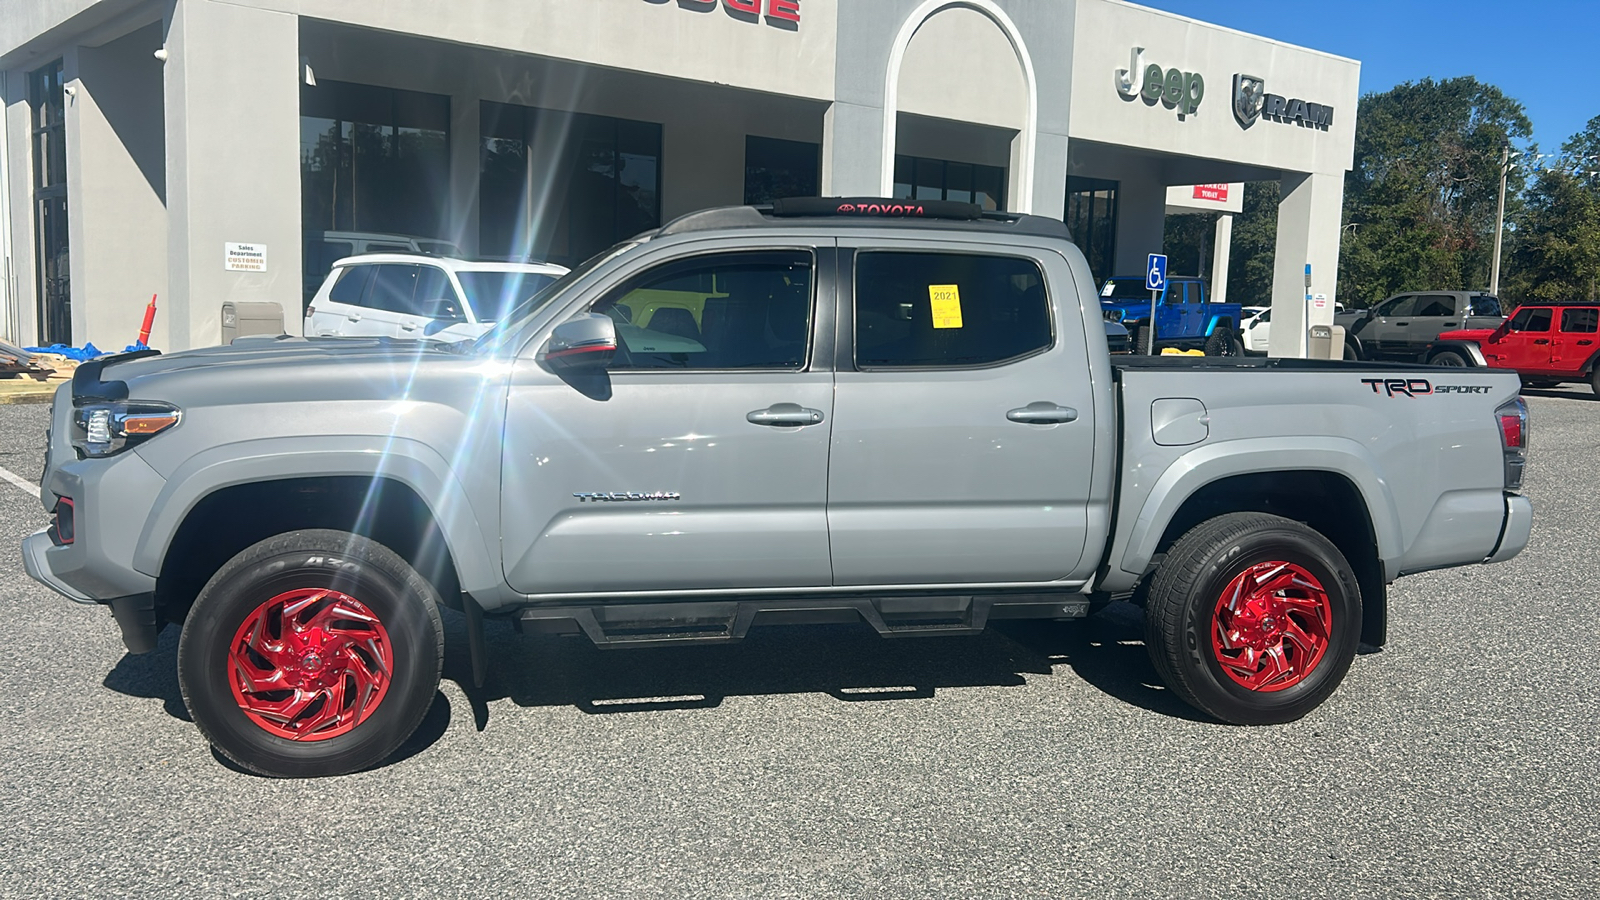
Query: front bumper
point(1517, 529)
point(135, 613)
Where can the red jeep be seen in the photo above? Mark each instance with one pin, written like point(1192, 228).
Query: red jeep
point(1547, 343)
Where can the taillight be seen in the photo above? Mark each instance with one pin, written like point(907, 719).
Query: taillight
point(1513, 418)
point(311, 311)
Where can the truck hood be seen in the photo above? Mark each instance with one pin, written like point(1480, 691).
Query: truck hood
point(286, 366)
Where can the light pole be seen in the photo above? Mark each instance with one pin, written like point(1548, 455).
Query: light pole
point(1500, 220)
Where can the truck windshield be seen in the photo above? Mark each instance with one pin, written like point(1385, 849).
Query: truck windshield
point(519, 314)
point(1124, 289)
point(493, 295)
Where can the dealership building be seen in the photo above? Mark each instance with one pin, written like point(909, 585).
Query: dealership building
point(225, 151)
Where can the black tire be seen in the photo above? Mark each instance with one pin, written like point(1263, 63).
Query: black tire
point(404, 603)
point(1185, 596)
point(1449, 358)
point(1351, 353)
point(1594, 380)
point(1223, 342)
point(1139, 332)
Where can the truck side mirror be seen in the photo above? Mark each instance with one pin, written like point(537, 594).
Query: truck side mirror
point(586, 343)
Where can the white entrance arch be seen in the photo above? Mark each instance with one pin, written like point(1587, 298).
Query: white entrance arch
point(891, 94)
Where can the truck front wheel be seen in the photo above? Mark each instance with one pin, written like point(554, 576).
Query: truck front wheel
point(311, 653)
point(1253, 618)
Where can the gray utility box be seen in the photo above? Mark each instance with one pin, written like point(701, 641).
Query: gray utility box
point(244, 319)
point(1320, 343)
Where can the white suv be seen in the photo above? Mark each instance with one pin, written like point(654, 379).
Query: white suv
point(407, 295)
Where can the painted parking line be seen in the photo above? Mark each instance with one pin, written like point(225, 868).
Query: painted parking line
point(20, 482)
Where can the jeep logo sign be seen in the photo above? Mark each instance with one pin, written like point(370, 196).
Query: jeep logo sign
point(1251, 101)
point(1173, 88)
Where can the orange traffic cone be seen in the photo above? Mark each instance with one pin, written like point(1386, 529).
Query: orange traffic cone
point(149, 320)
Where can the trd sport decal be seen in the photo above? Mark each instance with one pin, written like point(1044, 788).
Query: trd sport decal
point(1419, 387)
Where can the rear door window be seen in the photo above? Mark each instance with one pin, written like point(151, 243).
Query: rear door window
point(352, 285)
point(1584, 320)
point(393, 287)
point(948, 310)
point(434, 285)
point(1531, 318)
point(1436, 306)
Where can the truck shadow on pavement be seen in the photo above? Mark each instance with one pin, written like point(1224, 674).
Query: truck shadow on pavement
point(851, 663)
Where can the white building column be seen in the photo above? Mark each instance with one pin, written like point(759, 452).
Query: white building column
point(1309, 214)
point(466, 144)
point(1220, 255)
point(232, 85)
point(16, 230)
point(116, 186)
point(852, 150)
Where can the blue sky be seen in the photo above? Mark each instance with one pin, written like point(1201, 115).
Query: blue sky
point(1537, 51)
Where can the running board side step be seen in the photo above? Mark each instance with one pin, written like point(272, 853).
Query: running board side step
point(723, 621)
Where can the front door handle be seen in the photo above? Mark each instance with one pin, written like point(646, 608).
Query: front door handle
point(1541, 340)
point(1450, 324)
point(354, 317)
point(785, 414)
point(1400, 324)
point(1043, 413)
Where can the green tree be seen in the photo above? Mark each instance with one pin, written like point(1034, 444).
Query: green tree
point(1420, 200)
point(1555, 248)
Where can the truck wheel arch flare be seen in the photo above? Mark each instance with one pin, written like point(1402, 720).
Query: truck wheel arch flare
point(1205, 465)
point(405, 461)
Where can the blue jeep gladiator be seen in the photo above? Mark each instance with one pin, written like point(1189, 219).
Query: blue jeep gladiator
point(1185, 316)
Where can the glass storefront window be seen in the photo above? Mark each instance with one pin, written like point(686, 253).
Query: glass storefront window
point(775, 168)
point(919, 178)
point(1092, 220)
point(560, 186)
point(373, 159)
point(47, 106)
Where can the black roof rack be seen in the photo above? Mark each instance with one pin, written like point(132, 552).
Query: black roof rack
point(869, 211)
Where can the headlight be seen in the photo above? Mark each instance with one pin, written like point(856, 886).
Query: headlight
point(104, 429)
point(1113, 315)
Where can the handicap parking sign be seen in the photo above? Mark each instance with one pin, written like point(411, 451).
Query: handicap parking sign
point(1155, 272)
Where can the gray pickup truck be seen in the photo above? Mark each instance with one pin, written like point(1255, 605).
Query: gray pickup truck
point(895, 413)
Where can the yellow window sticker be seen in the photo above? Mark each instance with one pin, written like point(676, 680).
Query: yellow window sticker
point(946, 299)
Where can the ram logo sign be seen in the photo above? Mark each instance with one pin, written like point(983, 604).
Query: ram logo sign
point(1251, 101)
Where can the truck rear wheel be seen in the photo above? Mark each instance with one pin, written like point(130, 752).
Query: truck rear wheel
point(1594, 380)
point(311, 653)
point(1223, 342)
point(1253, 618)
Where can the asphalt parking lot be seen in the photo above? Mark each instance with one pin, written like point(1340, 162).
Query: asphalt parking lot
point(1034, 761)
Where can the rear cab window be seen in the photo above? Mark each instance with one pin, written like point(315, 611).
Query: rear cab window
point(948, 309)
point(1484, 306)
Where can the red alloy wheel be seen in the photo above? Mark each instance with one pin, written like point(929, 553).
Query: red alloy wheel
point(1272, 626)
point(310, 664)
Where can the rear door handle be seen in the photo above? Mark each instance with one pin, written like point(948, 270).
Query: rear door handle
point(1541, 340)
point(1043, 412)
point(408, 326)
point(1584, 343)
point(354, 317)
point(1450, 324)
point(785, 414)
